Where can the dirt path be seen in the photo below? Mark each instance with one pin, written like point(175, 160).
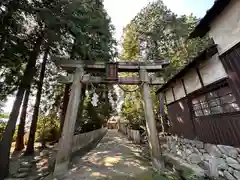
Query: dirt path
point(114, 158)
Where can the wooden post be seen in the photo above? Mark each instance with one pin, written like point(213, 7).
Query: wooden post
point(150, 119)
point(64, 108)
point(162, 111)
point(65, 144)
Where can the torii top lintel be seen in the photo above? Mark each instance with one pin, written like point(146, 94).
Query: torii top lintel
point(123, 66)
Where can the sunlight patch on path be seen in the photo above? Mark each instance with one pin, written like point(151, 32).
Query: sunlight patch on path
point(114, 157)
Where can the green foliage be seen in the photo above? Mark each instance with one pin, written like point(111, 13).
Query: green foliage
point(4, 116)
point(77, 29)
point(166, 36)
point(2, 127)
point(47, 128)
point(162, 35)
point(131, 47)
point(132, 109)
point(95, 117)
point(13, 47)
point(85, 23)
point(15, 133)
point(3, 123)
point(88, 38)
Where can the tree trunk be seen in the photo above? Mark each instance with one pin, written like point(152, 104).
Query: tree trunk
point(6, 141)
point(64, 107)
point(21, 129)
point(30, 145)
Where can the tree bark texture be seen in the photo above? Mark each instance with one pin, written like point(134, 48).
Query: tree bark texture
point(21, 129)
point(31, 139)
point(5, 144)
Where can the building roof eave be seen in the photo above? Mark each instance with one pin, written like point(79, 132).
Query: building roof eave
point(203, 27)
point(203, 55)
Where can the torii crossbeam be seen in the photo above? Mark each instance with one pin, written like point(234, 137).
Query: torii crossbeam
point(78, 78)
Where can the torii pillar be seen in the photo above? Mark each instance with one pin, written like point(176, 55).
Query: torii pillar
point(65, 144)
point(153, 139)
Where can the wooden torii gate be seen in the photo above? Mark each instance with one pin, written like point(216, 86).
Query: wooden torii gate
point(78, 78)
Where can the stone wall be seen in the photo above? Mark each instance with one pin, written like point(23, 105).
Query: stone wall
point(82, 140)
point(81, 144)
point(132, 134)
point(216, 160)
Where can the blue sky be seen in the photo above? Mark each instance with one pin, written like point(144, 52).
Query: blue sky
point(122, 11)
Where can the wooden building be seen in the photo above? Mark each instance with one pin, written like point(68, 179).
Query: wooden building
point(203, 99)
point(113, 122)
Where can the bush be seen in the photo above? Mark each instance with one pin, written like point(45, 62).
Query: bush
point(2, 128)
point(47, 129)
point(15, 134)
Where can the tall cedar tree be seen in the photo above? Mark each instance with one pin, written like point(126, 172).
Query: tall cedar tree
point(166, 37)
point(31, 138)
point(6, 141)
point(86, 20)
point(21, 128)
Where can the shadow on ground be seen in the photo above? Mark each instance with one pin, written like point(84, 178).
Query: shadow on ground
point(29, 167)
point(115, 157)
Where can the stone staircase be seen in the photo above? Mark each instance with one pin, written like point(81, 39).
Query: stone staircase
point(31, 168)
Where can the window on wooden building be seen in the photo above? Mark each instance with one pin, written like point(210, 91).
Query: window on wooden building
point(215, 102)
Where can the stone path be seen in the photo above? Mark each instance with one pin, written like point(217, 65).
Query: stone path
point(115, 157)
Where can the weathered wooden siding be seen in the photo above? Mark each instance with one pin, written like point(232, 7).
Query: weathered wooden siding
point(231, 62)
point(169, 95)
point(215, 129)
point(223, 128)
point(219, 129)
point(180, 118)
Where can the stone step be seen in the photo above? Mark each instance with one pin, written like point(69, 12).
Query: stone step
point(24, 169)
point(21, 175)
point(36, 159)
point(26, 164)
point(39, 176)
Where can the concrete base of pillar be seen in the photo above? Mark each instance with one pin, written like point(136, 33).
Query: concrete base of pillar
point(60, 170)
